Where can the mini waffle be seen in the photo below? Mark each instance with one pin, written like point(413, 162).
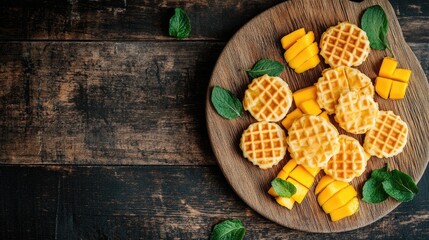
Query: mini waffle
point(344, 45)
point(356, 113)
point(339, 80)
point(388, 137)
point(349, 162)
point(264, 144)
point(312, 141)
point(268, 98)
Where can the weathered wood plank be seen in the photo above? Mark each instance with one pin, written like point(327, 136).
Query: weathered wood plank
point(156, 203)
point(143, 20)
point(109, 103)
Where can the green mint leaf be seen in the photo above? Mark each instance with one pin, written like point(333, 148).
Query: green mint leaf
point(283, 188)
point(226, 104)
point(373, 191)
point(230, 229)
point(381, 174)
point(400, 186)
point(374, 22)
point(180, 26)
point(266, 66)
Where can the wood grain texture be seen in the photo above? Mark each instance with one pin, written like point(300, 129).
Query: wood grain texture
point(156, 202)
point(148, 20)
point(105, 103)
point(246, 47)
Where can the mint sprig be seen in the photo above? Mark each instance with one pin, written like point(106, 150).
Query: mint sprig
point(266, 66)
point(180, 25)
point(230, 229)
point(283, 188)
point(375, 23)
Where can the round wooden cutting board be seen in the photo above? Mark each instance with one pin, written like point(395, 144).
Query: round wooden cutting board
point(259, 39)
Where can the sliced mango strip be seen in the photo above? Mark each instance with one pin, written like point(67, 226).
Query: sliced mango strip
point(387, 68)
point(304, 94)
point(302, 176)
point(402, 75)
point(312, 171)
point(287, 122)
point(283, 174)
point(285, 202)
point(288, 40)
point(304, 56)
point(325, 115)
point(290, 165)
point(300, 45)
point(347, 210)
point(324, 181)
point(382, 86)
point(340, 199)
point(301, 190)
point(311, 63)
point(310, 107)
point(330, 190)
point(398, 90)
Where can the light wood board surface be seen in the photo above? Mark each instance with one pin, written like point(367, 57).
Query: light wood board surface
point(260, 38)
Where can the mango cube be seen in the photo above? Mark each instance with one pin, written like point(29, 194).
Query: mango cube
point(324, 181)
point(325, 115)
point(304, 94)
point(387, 68)
point(299, 45)
point(283, 175)
point(401, 74)
point(287, 122)
point(285, 202)
point(330, 190)
point(398, 90)
point(311, 63)
point(312, 171)
point(304, 56)
point(347, 210)
point(272, 192)
point(382, 86)
point(310, 107)
point(301, 191)
point(302, 176)
point(288, 40)
point(340, 199)
point(290, 165)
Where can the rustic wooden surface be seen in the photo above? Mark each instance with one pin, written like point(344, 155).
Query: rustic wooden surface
point(260, 39)
point(68, 70)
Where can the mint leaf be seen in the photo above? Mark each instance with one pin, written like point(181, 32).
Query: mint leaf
point(400, 186)
point(381, 174)
point(266, 66)
point(230, 229)
point(283, 188)
point(226, 104)
point(180, 26)
point(373, 191)
point(374, 22)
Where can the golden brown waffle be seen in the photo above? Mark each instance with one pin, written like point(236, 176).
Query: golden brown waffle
point(339, 80)
point(268, 98)
point(356, 113)
point(312, 141)
point(349, 162)
point(344, 45)
point(388, 137)
point(264, 144)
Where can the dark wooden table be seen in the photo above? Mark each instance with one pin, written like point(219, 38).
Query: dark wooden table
point(102, 127)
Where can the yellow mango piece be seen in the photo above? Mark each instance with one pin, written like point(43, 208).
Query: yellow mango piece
point(311, 63)
point(290, 165)
point(340, 199)
point(398, 90)
point(283, 175)
point(347, 210)
point(302, 176)
point(304, 94)
point(285, 202)
point(304, 56)
point(299, 45)
point(330, 190)
point(272, 192)
point(324, 181)
point(288, 40)
point(287, 122)
point(382, 86)
point(387, 68)
point(310, 107)
point(402, 75)
point(312, 171)
point(325, 115)
point(301, 191)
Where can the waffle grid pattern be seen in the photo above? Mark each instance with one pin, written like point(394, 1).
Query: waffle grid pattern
point(349, 162)
point(344, 45)
point(356, 113)
point(388, 137)
point(268, 99)
point(312, 141)
point(264, 144)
